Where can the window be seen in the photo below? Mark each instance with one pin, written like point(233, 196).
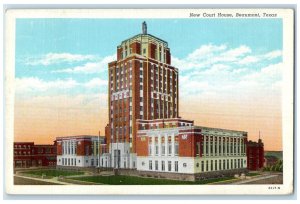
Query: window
point(150, 147)
point(202, 166)
point(216, 165)
point(144, 51)
point(206, 165)
point(176, 146)
point(163, 165)
point(197, 165)
point(169, 146)
point(211, 165)
point(169, 165)
point(63, 162)
point(163, 149)
point(156, 165)
point(176, 166)
point(150, 164)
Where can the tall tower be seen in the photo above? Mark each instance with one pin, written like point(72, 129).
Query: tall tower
point(142, 85)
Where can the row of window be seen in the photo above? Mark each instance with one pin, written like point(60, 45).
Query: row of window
point(221, 164)
point(21, 146)
point(212, 165)
point(164, 151)
point(162, 166)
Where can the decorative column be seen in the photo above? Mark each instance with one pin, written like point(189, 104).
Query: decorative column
point(204, 146)
point(209, 150)
point(173, 144)
point(214, 145)
point(218, 146)
point(222, 146)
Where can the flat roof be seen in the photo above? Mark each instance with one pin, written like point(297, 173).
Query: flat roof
point(79, 137)
point(138, 35)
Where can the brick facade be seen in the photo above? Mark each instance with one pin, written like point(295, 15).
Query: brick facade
point(27, 154)
point(255, 155)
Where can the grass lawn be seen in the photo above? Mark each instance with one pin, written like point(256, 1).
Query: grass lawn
point(133, 180)
point(53, 172)
point(252, 174)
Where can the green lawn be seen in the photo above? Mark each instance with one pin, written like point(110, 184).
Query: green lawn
point(252, 174)
point(133, 180)
point(53, 172)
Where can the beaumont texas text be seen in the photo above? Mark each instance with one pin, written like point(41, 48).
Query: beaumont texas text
point(228, 15)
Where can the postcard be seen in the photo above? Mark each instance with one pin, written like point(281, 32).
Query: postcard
point(149, 101)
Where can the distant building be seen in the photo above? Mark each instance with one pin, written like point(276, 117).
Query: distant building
point(80, 151)
point(255, 155)
point(27, 154)
point(270, 160)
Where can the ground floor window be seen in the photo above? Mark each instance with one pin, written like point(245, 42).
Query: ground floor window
point(156, 165)
point(163, 165)
point(169, 166)
point(63, 161)
point(176, 166)
point(206, 165)
point(150, 164)
point(220, 164)
point(211, 165)
point(216, 165)
point(241, 163)
point(202, 166)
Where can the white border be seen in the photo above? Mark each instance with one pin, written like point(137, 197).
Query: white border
point(287, 105)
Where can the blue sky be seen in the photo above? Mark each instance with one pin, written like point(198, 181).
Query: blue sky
point(62, 63)
point(37, 38)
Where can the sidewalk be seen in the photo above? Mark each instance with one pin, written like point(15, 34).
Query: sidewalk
point(254, 179)
point(52, 180)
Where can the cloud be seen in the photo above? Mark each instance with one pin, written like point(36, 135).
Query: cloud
point(96, 82)
point(220, 70)
point(35, 84)
point(56, 58)
point(90, 67)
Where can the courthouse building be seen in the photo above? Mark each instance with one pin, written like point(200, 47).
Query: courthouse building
point(145, 131)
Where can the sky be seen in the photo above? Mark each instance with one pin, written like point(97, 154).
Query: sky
point(230, 73)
